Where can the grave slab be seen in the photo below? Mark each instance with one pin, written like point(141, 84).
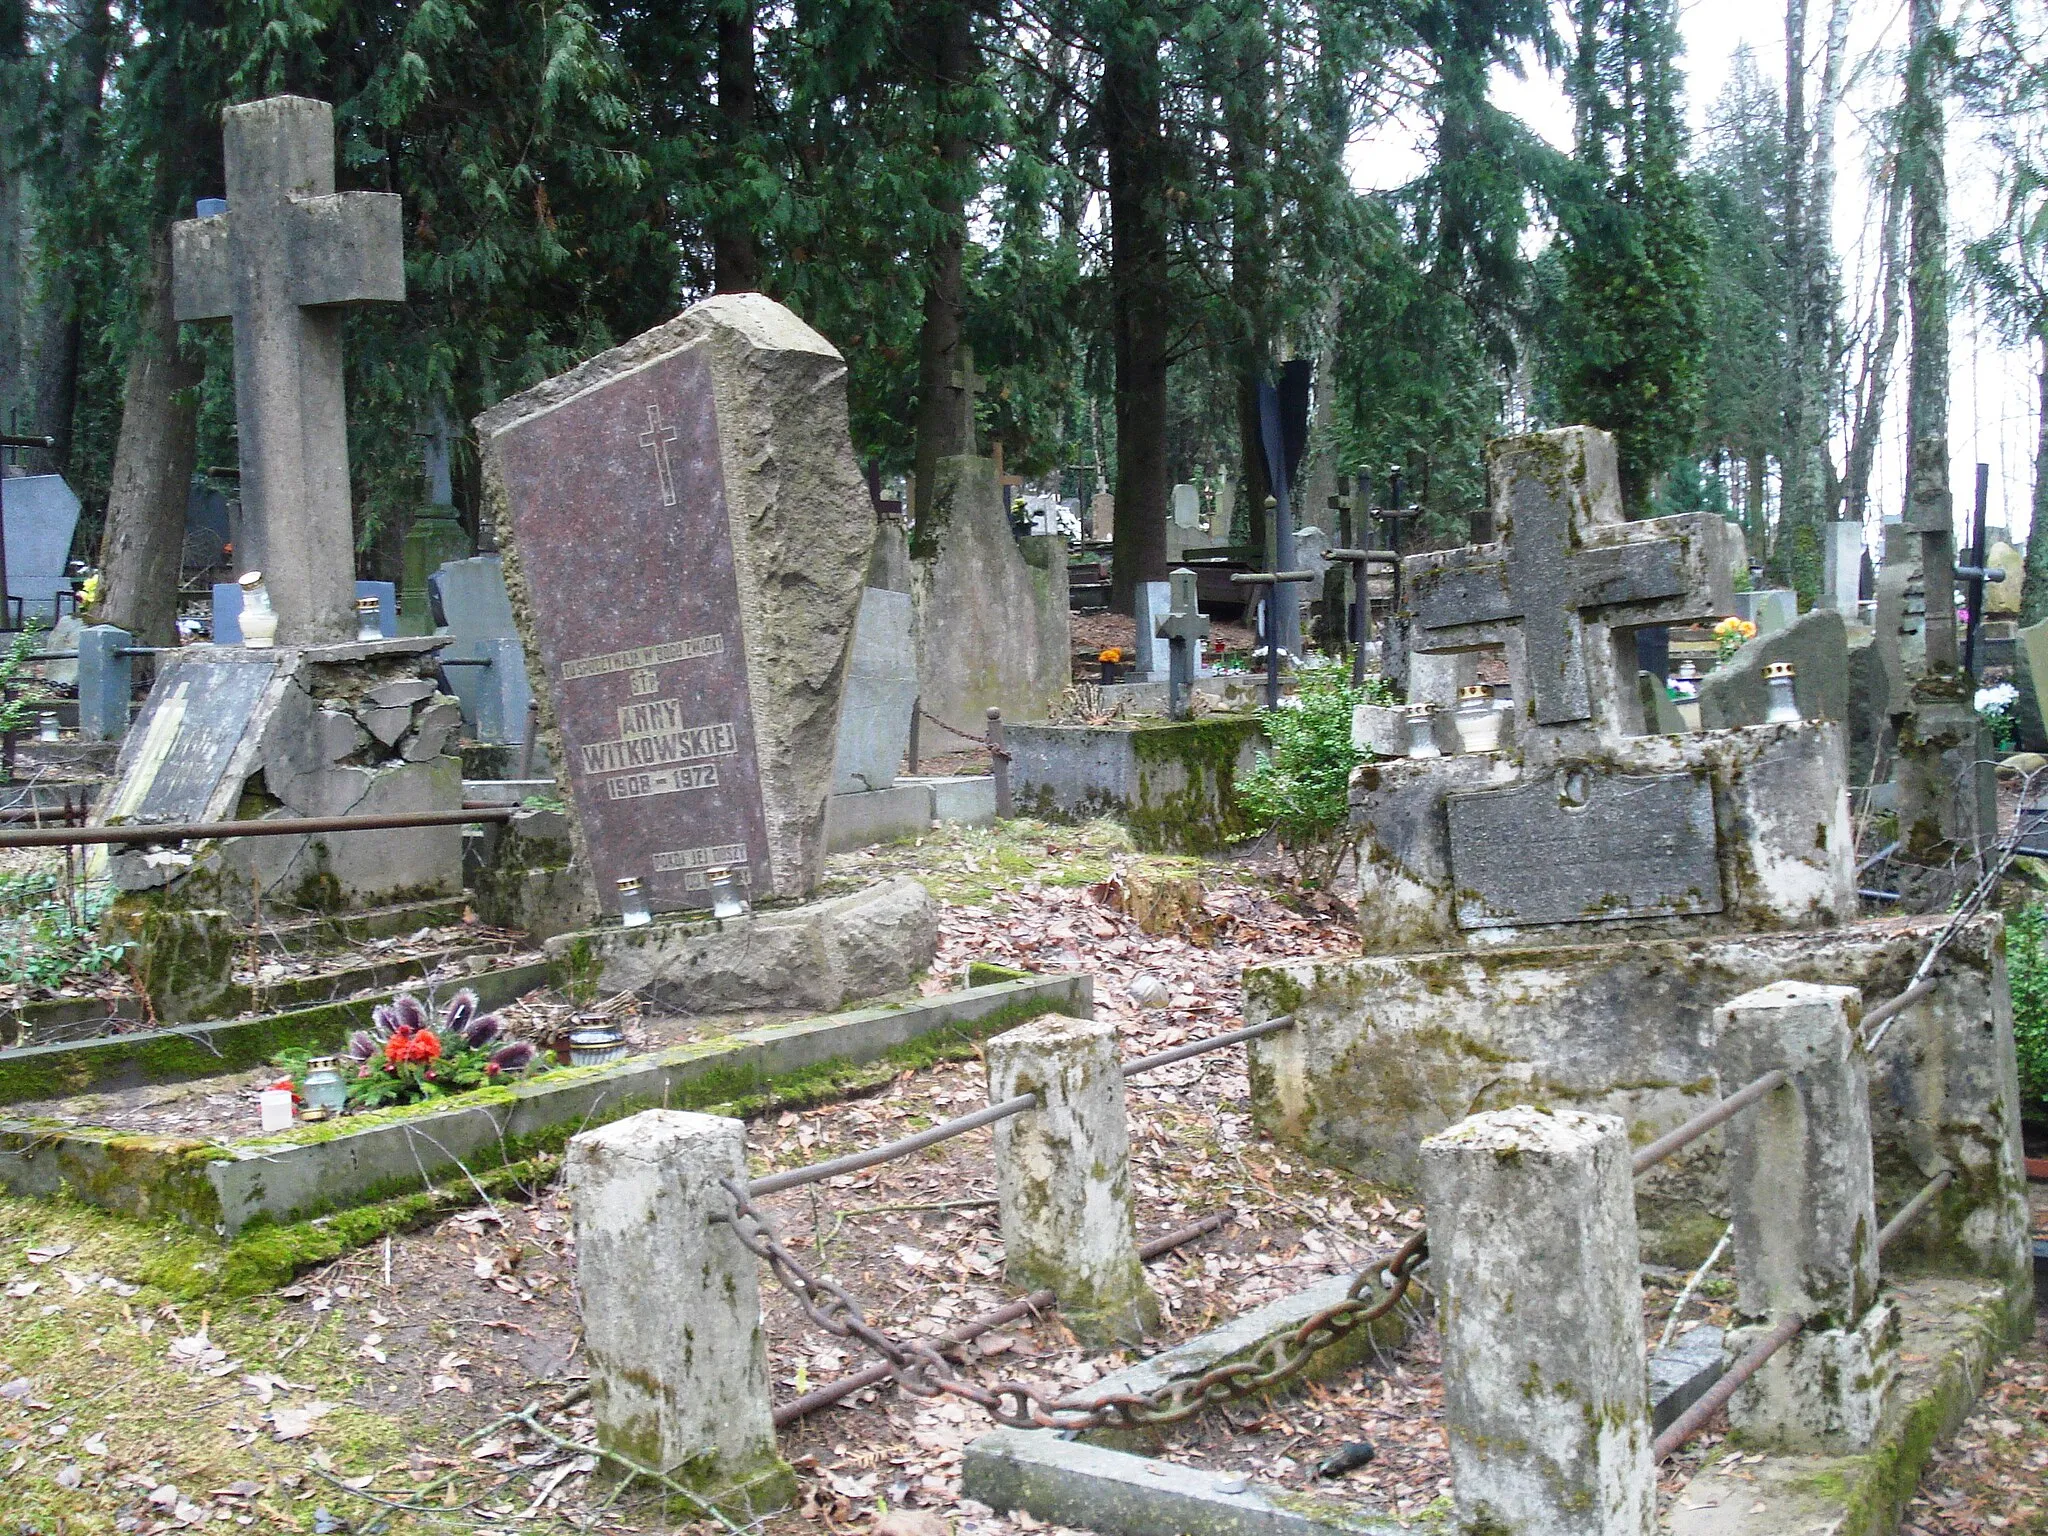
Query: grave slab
point(881, 692)
point(40, 513)
point(692, 720)
point(1174, 785)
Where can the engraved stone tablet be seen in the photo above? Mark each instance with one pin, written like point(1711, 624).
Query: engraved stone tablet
point(194, 743)
point(685, 535)
point(1583, 846)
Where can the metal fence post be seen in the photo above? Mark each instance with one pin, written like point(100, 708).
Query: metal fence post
point(999, 763)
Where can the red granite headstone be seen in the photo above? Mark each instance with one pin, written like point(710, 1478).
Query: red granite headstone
point(619, 522)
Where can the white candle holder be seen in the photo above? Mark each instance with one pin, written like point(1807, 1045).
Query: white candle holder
point(1783, 707)
point(1422, 731)
point(1477, 718)
point(633, 911)
point(369, 618)
point(259, 619)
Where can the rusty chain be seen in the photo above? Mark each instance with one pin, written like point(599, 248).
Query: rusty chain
point(921, 1370)
point(979, 741)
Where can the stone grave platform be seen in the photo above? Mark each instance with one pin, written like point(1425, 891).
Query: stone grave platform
point(819, 954)
point(908, 808)
point(1388, 1050)
point(1173, 784)
point(221, 1188)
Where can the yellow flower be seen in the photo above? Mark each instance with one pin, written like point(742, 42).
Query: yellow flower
point(1111, 653)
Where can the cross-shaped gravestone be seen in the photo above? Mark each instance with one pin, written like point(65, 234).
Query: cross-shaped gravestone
point(1566, 570)
point(284, 258)
point(968, 386)
point(1183, 629)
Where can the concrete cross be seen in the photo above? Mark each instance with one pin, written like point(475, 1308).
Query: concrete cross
point(280, 263)
point(1183, 629)
point(1566, 569)
point(971, 386)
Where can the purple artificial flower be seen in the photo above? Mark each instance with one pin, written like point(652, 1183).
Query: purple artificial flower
point(509, 1058)
point(483, 1031)
point(410, 1014)
point(362, 1045)
point(460, 1010)
point(383, 1019)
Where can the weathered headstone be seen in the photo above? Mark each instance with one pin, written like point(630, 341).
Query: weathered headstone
point(1842, 567)
point(282, 262)
point(1187, 506)
point(1817, 644)
point(881, 692)
point(2002, 598)
point(1102, 517)
point(436, 536)
point(484, 663)
point(685, 534)
point(1770, 609)
point(1152, 601)
point(1184, 629)
point(40, 513)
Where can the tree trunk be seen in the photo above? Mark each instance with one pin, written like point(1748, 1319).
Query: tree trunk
point(1134, 135)
point(2034, 592)
point(1756, 470)
point(942, 420)
point(81, 82)
point(1796, 554)
point(735, 254)
point(140, 552)
point(1251, 281)
point(1877, 365)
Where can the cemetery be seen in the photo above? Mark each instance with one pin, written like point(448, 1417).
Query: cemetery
point(655, 905)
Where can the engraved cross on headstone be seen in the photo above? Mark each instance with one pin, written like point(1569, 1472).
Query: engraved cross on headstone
point(1183, 629)
point(280, 263)
point(658, 437)
point(1566, 571)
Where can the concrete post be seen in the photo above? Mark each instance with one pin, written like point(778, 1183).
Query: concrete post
point(1951, 1089)
point(1063, 1176)
point(105, 681)
point(1532, 1247)
point(1802, 1196)
point(671, 1308)
point(999, 764)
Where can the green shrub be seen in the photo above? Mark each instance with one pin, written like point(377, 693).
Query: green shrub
point(2026, 967)
point(1300, 789)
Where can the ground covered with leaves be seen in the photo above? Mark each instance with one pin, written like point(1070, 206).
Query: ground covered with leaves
point(432, 1380)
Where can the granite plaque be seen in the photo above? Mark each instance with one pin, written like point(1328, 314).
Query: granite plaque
point(1582, 846)
point(187, 754)
point(619, 523)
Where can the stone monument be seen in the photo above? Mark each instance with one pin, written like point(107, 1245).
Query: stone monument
point(283, 262)
point(685, 533)
point(436, 536)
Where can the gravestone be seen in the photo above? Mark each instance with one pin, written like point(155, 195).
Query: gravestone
point(40, 513)
point(436, 536)
point(2002, 598)
point(1817, 644)
point(209, 535)
point(282, 263)
point(2030, 676)
point(469, 601)
point(1187, 506)
point(1151, 655)
point(1842, 567)
point(1770, 609)
point(1102, 518)
point(881, 692)
point(1184, 629)
point(685, 533)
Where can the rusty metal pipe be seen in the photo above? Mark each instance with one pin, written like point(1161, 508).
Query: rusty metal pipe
point(1911, 1210)
point(1689, 1423)
point(853, 1162)
point(1700, 1124)
point(193, 831)
point(1213, 1043)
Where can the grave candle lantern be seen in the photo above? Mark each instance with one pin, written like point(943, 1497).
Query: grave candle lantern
point(369, 618)
point(259, 619)
point(1477, 718)
point(1421, 731)
point(49, 728)
point(633, 911)
point(726, 900)
point(1783, 708)
point(324, 1088)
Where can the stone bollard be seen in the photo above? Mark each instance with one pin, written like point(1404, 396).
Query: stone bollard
point(105, 682)
point(1063, 1176)
point(1532, 1247)
point(672, 1309)
point(999, 765)
point(1802, 1196)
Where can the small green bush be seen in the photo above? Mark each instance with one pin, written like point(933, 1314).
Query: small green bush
point(1300, 789)
point(2026, 967)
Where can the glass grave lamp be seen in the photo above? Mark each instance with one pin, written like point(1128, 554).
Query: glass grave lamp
point(726, 900)
point(259, 619)
point(48, 732)
point(369, 618)
point(1783, 706)
point(633, 911)
point(1422, 731)
point(1477, 718)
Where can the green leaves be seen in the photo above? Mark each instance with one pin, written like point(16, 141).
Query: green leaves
point(1300, 789)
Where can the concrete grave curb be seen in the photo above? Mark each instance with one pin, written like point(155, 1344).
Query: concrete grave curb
point(315, 1169)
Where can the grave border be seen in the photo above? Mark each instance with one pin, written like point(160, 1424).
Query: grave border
point(313, 1170)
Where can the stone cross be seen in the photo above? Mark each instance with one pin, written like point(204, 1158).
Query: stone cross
point(1183, 629)
point(1567, 568)
point(971, 386)
point(280, 263)
point(656, 439)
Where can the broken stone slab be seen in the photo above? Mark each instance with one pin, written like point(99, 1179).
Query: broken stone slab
point(817, 955)
point(405, 691)
point(432, 730)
